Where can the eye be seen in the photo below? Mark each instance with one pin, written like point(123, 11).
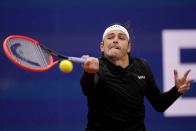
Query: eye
point(122, 37)
point(110, 37)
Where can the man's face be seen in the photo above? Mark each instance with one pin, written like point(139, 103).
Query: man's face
point(115, 45)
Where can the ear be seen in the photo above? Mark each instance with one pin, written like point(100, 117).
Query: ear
point(101, 46)
point(129, 47)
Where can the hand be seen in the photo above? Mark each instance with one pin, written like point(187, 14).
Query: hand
point(91, 64)
point(182, 84)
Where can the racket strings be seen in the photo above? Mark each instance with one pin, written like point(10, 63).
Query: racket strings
point(28, 53)
point(43, 55)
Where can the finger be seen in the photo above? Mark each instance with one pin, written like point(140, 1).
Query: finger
point(184, 87)
point(186, 74)
point(86, 62)
point(183, 90)
point(90, 62)
point(188, 82)
point(175, 74)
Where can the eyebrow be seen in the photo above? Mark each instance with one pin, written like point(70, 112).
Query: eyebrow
point(110, 34)
point(122, 34)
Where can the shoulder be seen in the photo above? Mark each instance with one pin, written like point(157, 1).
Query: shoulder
point(140, 61)
point(142, 64)
point(102, 59)
point(103, 62)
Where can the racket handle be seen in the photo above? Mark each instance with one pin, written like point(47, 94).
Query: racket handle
point(76, 60)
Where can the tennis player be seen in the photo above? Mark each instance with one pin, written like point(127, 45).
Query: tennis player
point(117, 83)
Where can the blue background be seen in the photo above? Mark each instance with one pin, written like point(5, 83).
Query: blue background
point(51, 101)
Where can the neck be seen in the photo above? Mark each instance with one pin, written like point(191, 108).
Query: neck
point(123, 62)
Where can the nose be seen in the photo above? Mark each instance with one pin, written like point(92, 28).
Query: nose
point(115, 41)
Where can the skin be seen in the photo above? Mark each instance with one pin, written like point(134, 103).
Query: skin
point(182, 83)
point(115, 47)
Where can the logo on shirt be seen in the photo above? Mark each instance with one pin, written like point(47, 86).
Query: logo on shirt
point(141, 77)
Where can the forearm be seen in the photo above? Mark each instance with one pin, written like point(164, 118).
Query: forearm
point(162, 101)
point(87, 83)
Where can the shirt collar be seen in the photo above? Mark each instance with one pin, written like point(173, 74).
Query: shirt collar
point(117, 68)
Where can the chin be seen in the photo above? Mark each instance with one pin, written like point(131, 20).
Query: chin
point(114, 56)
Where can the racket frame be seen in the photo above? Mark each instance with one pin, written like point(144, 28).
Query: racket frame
point(9, 55)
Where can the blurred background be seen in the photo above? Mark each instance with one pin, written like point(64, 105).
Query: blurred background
point(52, 100)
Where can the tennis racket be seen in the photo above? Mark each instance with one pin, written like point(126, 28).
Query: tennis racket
point(29, 54)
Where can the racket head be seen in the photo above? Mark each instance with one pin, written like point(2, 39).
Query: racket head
point(26, 53)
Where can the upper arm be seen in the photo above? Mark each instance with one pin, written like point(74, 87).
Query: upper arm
point(89, 82)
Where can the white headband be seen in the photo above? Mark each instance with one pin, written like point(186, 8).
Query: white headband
point(116, 27)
